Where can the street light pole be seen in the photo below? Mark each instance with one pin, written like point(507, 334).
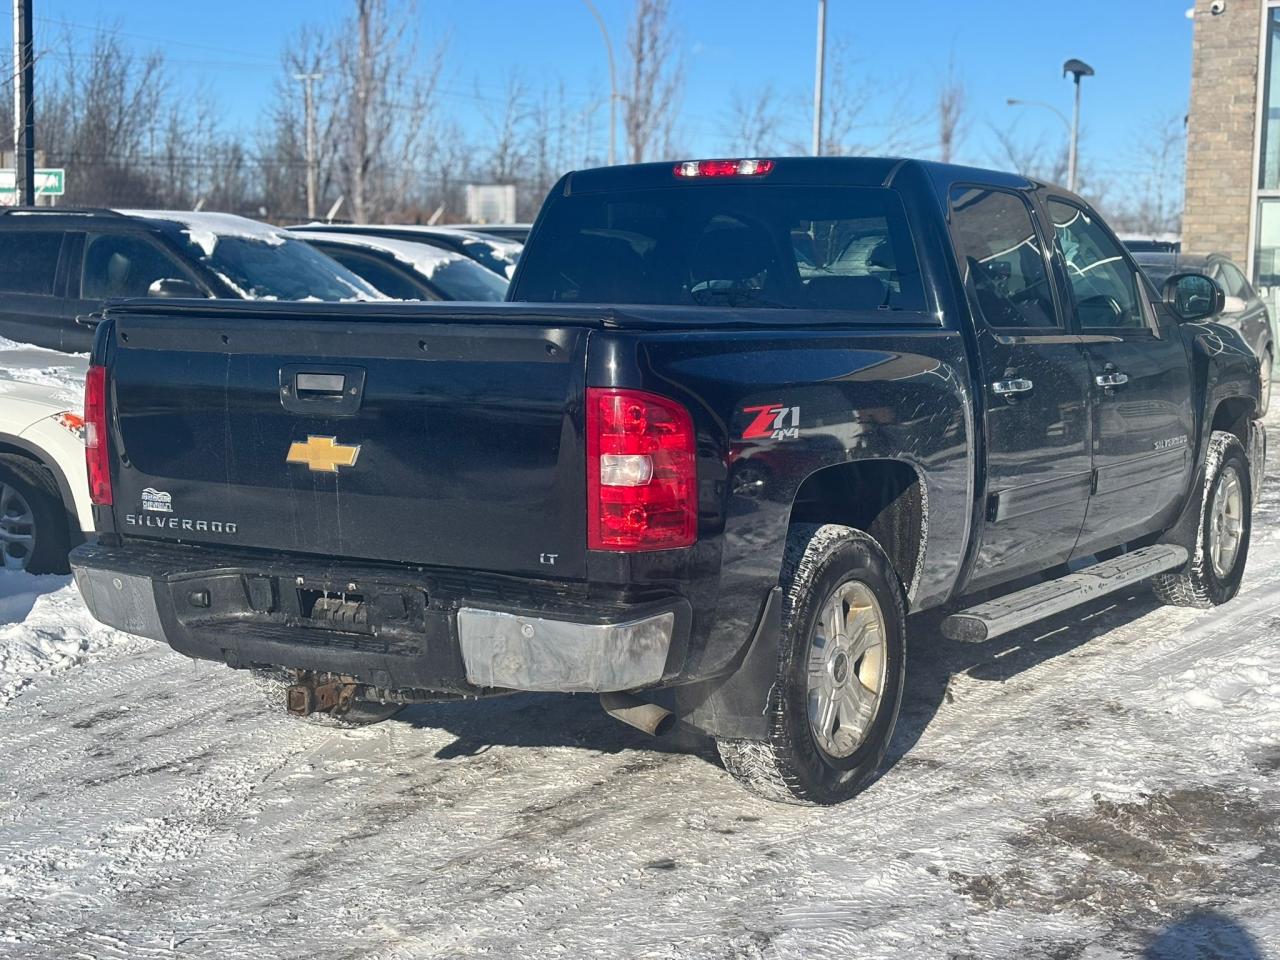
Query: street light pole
point(24, 114)
point(1078, 69)
point(819, 73)
point(613, 84)
point(313, 172)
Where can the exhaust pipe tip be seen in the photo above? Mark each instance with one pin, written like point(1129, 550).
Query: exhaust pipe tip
point(648, 718)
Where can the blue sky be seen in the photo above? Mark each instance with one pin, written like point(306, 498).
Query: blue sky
point(1140, 49)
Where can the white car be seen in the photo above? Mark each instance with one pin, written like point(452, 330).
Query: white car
point(44, 490)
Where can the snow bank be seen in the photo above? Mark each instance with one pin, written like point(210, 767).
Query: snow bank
point(45, 628)
point(61, 373)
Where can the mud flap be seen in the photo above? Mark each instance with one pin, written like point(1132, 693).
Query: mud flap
point(736, 706)
point(1257, 456)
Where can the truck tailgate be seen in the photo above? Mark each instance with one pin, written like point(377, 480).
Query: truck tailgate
point(454, 440)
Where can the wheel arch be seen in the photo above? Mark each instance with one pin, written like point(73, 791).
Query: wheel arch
point(16, 446)
point(885, 498)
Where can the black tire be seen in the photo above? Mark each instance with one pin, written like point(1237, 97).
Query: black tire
point(790, 766)
point(1199, 584)
point(47, 552)
point(272, 684)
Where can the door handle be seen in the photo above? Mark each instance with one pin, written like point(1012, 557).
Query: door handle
point(89, 319)
point(1109, 380)
point(1007, 388)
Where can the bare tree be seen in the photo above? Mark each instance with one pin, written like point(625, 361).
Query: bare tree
point(382, 96)
point(851, 127)
point(754, 123)
point(507, 131)
point(952, 106)
point(1159, 157)
point(1035, 157)
point(654, 78)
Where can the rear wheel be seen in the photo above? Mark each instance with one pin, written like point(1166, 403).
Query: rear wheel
point(1213, 574)
point(33, 524)
point(273, 683)
point(840, 671)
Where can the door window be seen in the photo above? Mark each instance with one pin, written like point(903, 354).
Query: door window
point(29, 260)
point(1233, 282)
point(124, 265)
point(1104, 286)
point(387, 280)
point(1001, 258)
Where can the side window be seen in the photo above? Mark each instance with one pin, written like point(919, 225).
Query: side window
point(124, 265)
point(1001, 258)
point(29, 260)
point(386, 279)
point(1104, 286)
point(1233, 282)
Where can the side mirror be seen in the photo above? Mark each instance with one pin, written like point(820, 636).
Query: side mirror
point(1193, 296)
point(173, 287)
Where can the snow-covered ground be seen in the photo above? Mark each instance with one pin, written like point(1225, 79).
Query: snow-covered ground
point(1107, 785)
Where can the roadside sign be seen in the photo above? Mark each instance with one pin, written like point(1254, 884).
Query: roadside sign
point(50, 182)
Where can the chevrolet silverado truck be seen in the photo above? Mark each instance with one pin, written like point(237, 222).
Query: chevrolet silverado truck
point(738, 421)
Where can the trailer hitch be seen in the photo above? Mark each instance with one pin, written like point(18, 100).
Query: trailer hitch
point(312, 694)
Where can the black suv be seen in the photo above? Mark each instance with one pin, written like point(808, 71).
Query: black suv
point(57, 265)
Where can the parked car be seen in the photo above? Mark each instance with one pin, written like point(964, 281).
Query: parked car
point(1136, 245)
point(369, 507)
point(58, 264)
point(1244, 309)
point(519, 232)
point(44, 495)
point(495, 253)
point(408, 270)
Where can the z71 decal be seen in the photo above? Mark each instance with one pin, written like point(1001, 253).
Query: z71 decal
point(772, 421)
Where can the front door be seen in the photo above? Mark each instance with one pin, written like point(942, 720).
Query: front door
point(1035, 383)
point(1140, 379)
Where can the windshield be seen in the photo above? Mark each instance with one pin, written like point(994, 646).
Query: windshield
point(278, 268)
point(731, 245)
point(465, 280)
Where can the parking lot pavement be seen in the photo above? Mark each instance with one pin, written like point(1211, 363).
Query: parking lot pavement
point(1105, 785)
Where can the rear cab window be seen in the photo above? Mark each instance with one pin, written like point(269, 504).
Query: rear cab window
point(727, 245)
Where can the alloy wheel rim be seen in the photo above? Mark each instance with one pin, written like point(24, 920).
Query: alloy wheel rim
point(846, 669)
point(17, 529)
point(1226, 522)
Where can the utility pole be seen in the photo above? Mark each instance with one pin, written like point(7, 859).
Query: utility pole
point(818, 78)
point(313, 164)
point(24, 115)
point(1078, 69)
point(613, 84)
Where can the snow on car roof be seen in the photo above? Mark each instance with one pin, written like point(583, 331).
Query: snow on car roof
point(422, 257)
point(205, 229)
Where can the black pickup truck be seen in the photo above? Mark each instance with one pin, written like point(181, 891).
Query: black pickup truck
point(741, 418)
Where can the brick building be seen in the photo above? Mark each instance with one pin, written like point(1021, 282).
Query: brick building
point(1233, 136)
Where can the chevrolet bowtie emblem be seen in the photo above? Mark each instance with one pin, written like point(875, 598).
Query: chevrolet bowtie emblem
point(323, 454)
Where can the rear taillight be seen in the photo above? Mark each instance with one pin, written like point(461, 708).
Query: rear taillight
point(97, 456)
point(641, 477)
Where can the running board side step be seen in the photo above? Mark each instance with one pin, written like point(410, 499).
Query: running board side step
point(991, 619)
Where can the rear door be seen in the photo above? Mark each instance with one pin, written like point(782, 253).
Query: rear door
point(1140, 383)
point(1035, 382)
point(32, 309)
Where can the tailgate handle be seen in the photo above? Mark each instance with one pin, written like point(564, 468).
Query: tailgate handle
point(323, 384)
point(329, 391)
